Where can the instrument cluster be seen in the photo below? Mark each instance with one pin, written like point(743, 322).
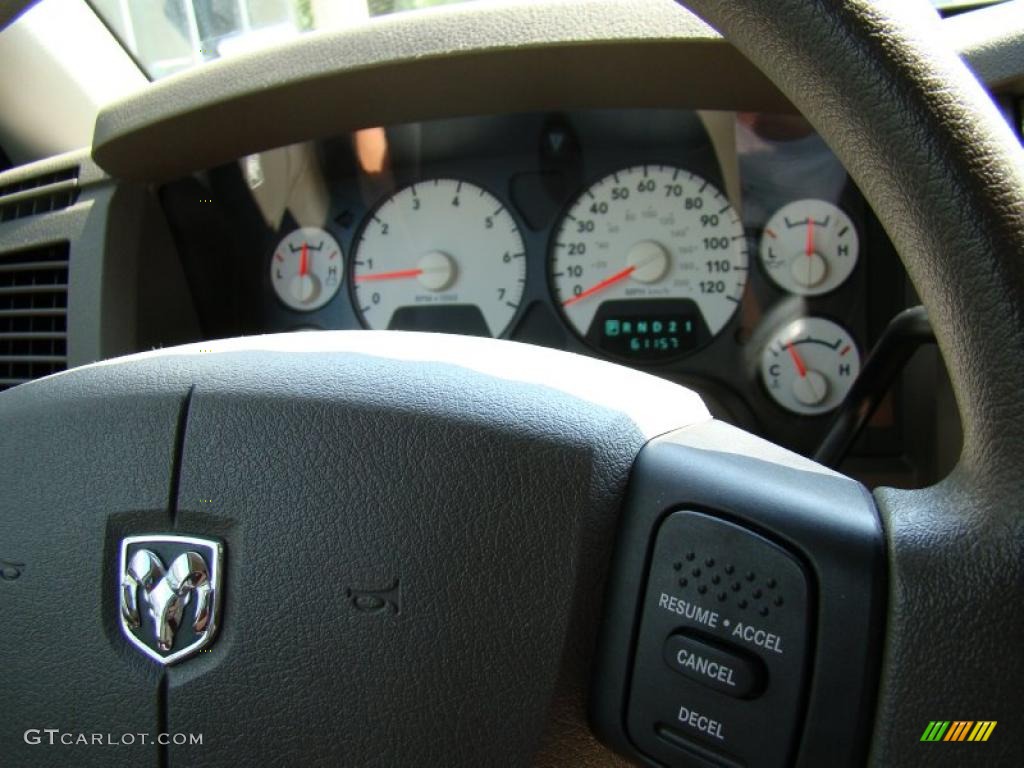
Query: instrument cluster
point(726, 251)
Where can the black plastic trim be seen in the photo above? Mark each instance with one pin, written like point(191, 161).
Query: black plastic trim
point(826, 519)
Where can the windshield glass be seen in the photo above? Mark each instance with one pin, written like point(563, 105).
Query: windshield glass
point(167, 36)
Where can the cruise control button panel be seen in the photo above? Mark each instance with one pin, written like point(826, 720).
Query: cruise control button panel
point(721, 653)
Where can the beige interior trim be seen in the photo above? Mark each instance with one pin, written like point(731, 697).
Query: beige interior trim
point(481, 58)
point(474, 59)
point(992, 41)
point(58, 66)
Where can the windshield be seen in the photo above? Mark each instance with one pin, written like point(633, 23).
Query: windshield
point(167, 36)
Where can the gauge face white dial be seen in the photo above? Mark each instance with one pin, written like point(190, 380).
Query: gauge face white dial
point(306, 269)
point(809, 247)
point(649, 247)
point(809, 365)
point(441, 255)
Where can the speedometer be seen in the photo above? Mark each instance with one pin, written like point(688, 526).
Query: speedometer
point(441, 255)
point(649, 263)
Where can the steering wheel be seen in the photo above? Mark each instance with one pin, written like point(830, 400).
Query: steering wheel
point(397, 549)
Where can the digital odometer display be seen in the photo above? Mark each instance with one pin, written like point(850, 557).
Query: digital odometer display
point(648, 337)
point(652, 331)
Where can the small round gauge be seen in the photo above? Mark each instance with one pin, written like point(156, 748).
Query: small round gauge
point(306, 269)
point(809, 247)
point(442, 255)
point(809, 365)
point(649, 263)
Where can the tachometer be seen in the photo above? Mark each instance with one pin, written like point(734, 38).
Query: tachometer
point(650, 262)
point(441, 255)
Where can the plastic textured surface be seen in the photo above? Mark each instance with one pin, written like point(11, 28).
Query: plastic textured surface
point(944, 173)
point(84, 459)
point(412, 544)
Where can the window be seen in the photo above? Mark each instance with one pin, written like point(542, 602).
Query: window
point(167, 36)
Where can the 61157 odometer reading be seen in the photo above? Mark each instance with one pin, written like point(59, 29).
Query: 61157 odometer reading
point(655, 242)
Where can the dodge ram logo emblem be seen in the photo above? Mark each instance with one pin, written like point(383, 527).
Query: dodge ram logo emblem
point(169, 594)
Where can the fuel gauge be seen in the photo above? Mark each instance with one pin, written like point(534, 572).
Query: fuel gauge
point(809, 365)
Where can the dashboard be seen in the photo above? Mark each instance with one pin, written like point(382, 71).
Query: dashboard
point(727, 251)
point(451, 173)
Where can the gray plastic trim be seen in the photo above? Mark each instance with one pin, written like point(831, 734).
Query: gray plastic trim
point(44, 190)
point(118, 302)
point(84, 226)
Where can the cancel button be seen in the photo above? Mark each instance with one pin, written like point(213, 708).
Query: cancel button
point(713, 666)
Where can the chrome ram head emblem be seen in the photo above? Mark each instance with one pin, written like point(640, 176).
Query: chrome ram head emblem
point(169, 612)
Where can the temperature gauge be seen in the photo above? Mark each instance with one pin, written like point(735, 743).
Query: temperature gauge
point(306, 269)
point(809, 365)
point(809, 247)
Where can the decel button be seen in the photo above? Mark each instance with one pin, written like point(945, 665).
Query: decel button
point(713, 666)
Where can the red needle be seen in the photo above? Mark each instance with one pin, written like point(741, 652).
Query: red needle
point(600, 286)
point(809, 246)
point(397, 275)
point(797, 360)
point(304, 261)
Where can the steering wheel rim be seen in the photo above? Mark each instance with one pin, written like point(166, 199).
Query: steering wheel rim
point(944, 174)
